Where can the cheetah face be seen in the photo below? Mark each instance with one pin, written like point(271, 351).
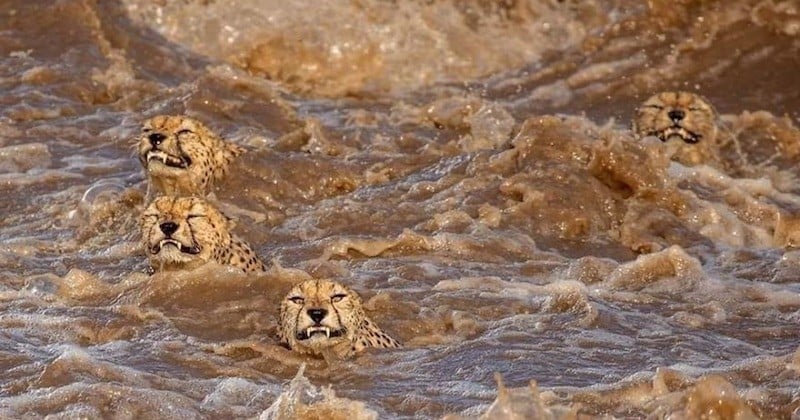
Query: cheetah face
point(181, 156)
point(163, 143)
point(183, 232)
point(676, 115)
point(318, 314)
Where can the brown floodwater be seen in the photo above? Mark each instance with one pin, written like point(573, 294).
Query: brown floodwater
point(467, 166)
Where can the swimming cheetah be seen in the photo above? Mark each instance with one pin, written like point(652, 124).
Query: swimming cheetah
point(323, 316)
point(186, 232)
point(684, 121)
point(181, 156)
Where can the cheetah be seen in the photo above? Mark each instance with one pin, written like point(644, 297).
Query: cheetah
point(684, 121)
point(186, 232)
point(181, 156)
point(323, 317)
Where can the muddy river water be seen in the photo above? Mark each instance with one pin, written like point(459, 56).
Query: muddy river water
point(467, 166)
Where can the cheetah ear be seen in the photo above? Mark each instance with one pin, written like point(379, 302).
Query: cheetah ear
point(713, 108)
point(225, 155)
point(235, 150)
point(228, 152)
point(230, 222)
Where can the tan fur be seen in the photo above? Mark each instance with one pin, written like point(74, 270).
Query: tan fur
point(342, 314)
point(181, 156)
point(691, 137)
point(787, 231)
point(201, 232)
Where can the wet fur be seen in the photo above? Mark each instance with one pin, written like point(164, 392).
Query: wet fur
point(346, 314)
point(188, 142)
point(692, 137)
point(200, 225)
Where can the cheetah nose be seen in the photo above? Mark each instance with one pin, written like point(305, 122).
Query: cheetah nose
point(168, 228)
point(317, 315)
point(156, 138)
point(676, 115)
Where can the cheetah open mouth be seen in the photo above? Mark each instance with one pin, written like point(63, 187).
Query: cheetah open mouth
point(676, 131)
point(311, 331)
point(182, 162)
point(193, 250)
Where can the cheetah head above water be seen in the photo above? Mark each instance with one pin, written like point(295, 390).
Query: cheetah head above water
point(181, 156)
point(183, 232)
point(323, 316)
point(681, 116)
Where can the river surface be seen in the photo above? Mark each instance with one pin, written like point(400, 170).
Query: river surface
point(467, 166)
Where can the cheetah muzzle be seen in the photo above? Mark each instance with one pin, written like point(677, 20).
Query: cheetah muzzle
point(676, 131)
point(180, 162)
point(320, 329)
point(191, 250)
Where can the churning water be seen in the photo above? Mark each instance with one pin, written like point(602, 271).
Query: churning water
point(466, 165)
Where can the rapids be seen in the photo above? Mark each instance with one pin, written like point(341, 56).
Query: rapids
point(467, 166)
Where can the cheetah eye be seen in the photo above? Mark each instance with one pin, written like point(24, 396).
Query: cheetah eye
point(338, 297)
point(184, 131)
point(297, 299)
point(146, 130)
point(192, 216)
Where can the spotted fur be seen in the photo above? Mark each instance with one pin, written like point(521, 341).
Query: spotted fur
point(181, 156)
point(323, 316)
point(185, 232)
point(683, 120)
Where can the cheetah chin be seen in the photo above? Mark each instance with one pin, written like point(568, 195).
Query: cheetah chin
point(182, 162)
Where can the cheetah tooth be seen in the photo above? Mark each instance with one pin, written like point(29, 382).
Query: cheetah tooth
point(157, 155)
point(312, 330)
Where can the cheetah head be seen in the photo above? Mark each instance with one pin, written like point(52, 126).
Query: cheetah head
point(320, 314)
point(183, 232)
point(682, 116)
point(181, 156)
